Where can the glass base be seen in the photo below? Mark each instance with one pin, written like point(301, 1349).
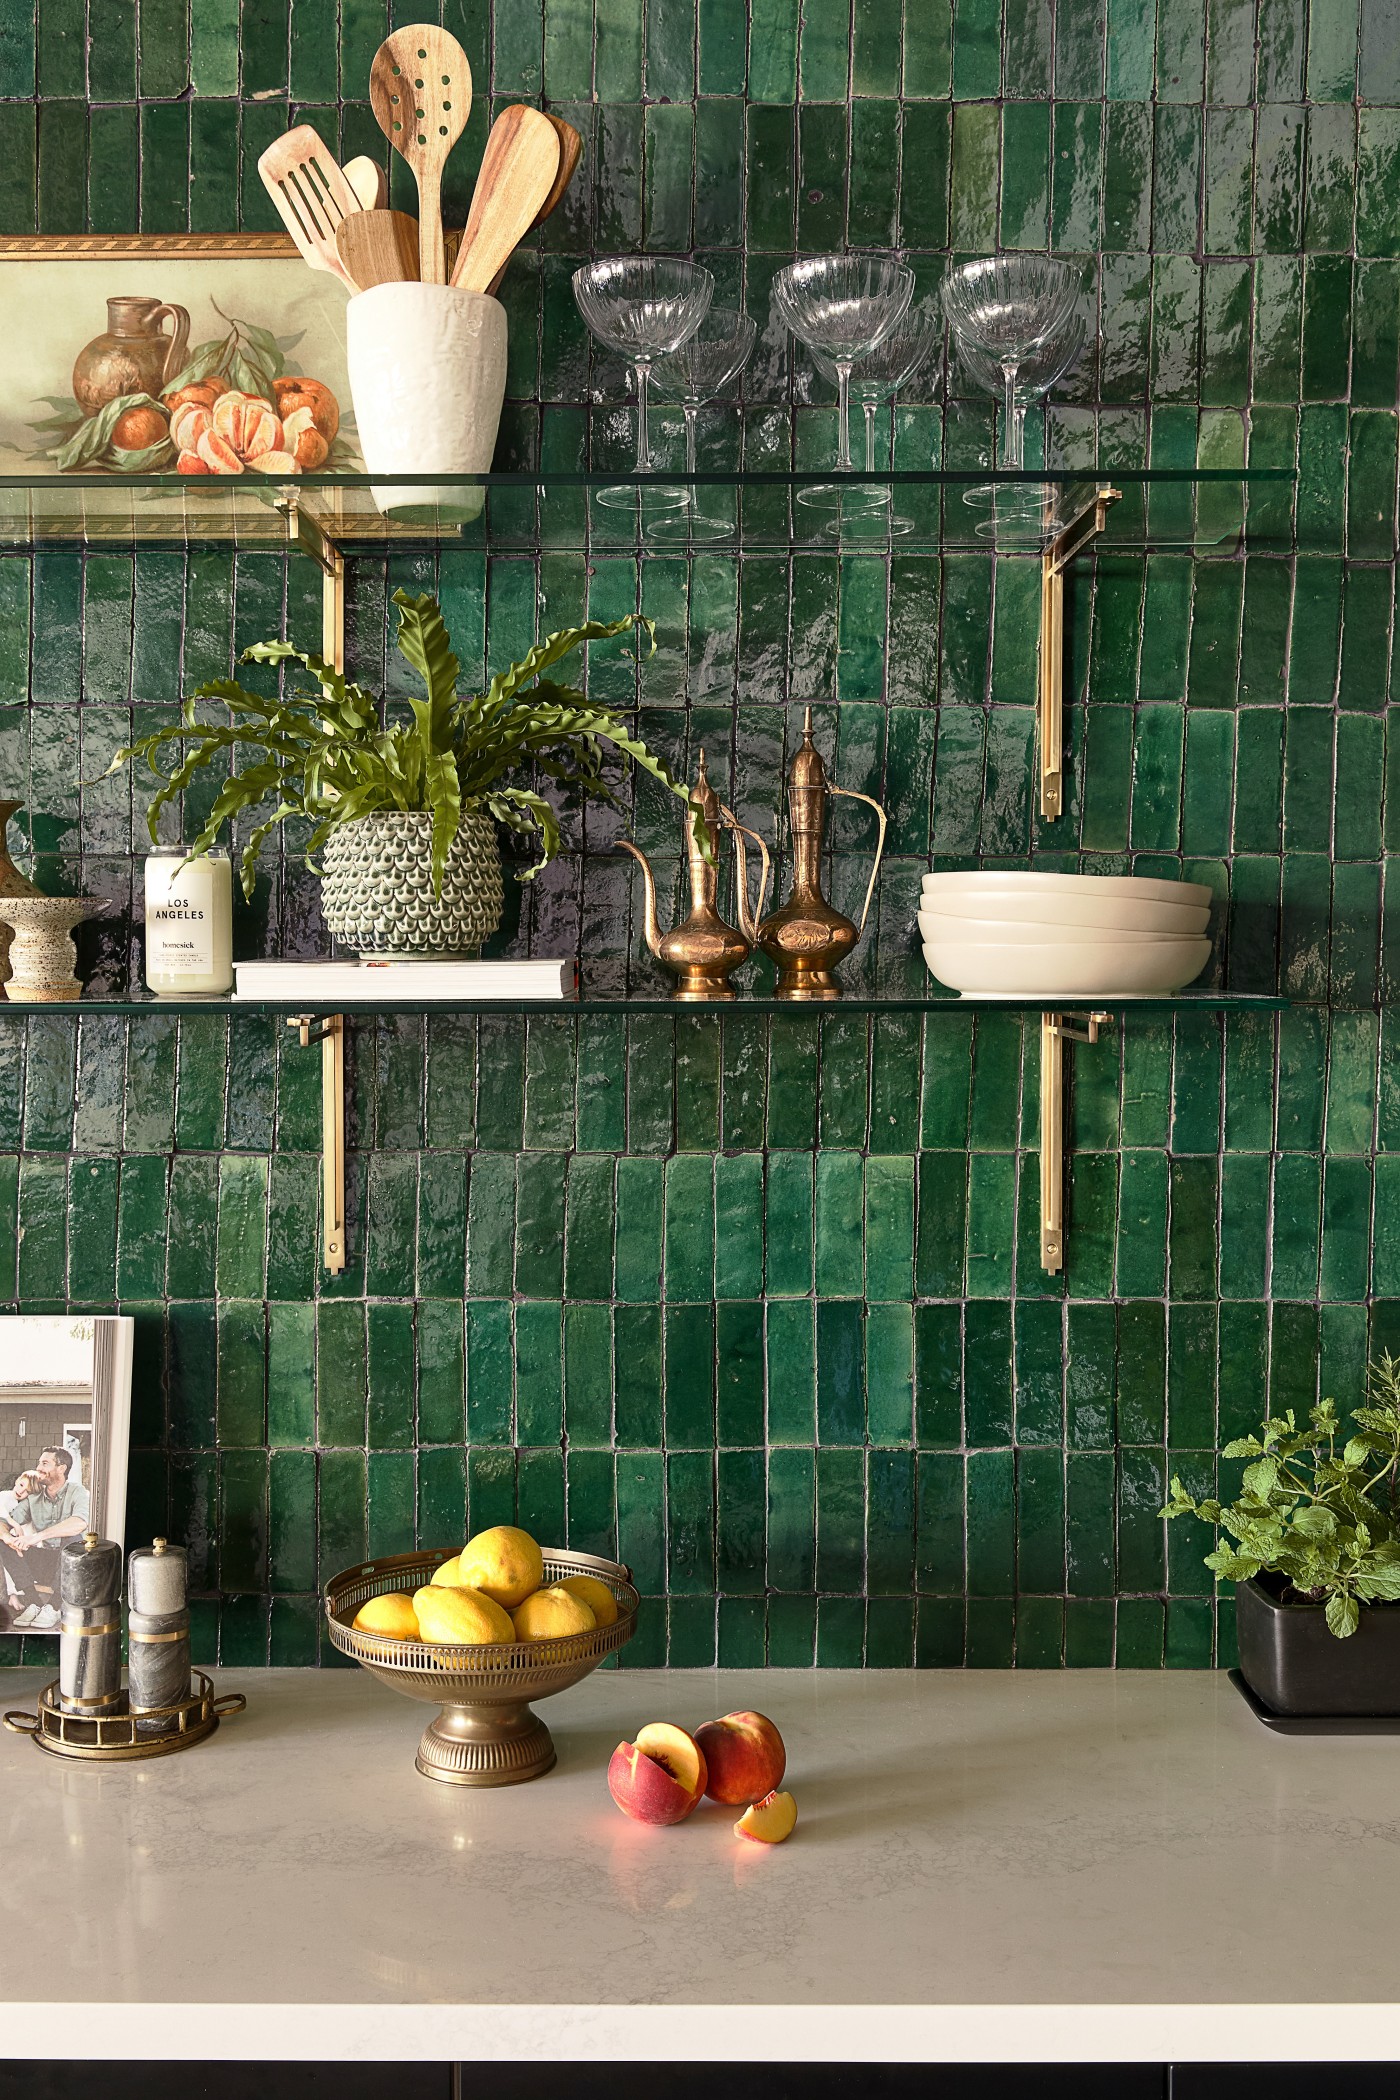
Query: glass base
point(847, 498)
point(646, 501)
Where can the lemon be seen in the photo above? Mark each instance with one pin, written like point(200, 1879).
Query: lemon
point(504, 1563)
point(460, 1618)
point(392, 1615)
point(596, 1595)
point(445, 1577)
point(549, 1613)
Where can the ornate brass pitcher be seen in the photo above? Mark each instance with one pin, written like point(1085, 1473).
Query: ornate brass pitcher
point(704, 950)
point(807, 936)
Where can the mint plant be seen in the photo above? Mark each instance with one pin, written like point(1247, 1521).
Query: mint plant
point(1326, 1519)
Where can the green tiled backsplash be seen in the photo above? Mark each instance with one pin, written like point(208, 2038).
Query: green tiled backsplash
point(757, 1304)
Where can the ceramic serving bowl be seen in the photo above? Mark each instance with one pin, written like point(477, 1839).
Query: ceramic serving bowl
point(484, 1733)
point(1027, 881)
point(1067, 910)
point(1060, 970)
point(949, 926)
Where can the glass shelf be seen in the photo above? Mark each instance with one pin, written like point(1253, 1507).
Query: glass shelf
point(589, 1007)
point(888, 513)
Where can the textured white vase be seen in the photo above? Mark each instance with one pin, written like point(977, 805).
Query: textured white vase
point(428, 375)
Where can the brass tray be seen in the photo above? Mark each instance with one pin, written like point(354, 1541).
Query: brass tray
point(484, 1733)
point(110, 1737)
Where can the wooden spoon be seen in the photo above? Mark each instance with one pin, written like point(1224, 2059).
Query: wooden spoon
point(308, 186)
point(369, 182)
point(570, 152)
point(378, 247)
point(518, 171)
point(420, 89)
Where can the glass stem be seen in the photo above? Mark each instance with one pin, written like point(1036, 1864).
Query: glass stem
point(642, 373)
point(843, 412)
point(692, 416)
point(869, 407)
point(1013, 447)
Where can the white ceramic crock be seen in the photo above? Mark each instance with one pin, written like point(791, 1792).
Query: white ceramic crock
point(428, 375)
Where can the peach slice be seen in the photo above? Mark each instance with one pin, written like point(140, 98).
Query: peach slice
point(769, 1821)
point(745, 1757)
point(660, 1777)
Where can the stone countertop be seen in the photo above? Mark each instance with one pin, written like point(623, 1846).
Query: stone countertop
point(997, 1866)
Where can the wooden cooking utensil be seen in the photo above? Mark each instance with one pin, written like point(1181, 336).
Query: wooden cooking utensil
point(308, 186)
point(420, 89)
point(369, 182)
point(378, 247)
point(570, 152)
point(518, 171)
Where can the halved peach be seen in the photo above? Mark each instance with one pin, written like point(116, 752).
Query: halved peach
point(660, 1777)
point(769, 1821)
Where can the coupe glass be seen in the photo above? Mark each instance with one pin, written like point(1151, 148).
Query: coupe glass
point(1008, 306)
point(705, 366)
point(644, 306)
point(844, 306)
point(875, 381)
point(1034, 378)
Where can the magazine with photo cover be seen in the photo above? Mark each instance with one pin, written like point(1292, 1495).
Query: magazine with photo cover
point(65, 1418)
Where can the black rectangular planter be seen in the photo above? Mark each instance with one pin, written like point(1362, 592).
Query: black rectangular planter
point(1295, 1666)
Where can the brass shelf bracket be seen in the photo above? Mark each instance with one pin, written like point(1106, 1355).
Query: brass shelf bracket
point(1072, 538)
point(310, 536)
point(329, 1031)
point(1057, 1029)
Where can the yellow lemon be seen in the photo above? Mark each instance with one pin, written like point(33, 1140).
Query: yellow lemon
point(460, 1618)
point(504, 1563)
point(549, 1613)
point(445, 1577)
point(596, 1595)
point(392, 1615)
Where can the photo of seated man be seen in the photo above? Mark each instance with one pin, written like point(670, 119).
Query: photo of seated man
point(31, 1539)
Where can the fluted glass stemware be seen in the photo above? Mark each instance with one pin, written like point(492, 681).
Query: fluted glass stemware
point(704, 367)
point(1007, 307)
point(875, 381)
point(844, 306)
point(644, 306)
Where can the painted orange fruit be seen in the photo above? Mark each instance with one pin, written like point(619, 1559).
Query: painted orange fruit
point(138, 427)
point(294, 392)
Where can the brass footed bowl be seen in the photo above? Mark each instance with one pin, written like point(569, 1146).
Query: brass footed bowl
point(484, 1733)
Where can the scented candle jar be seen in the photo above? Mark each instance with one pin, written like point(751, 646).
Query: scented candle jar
point(189, 925)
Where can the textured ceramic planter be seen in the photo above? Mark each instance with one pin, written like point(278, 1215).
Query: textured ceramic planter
point(1290, 1660)
point(43, 959)
point(377, 886)
point(427, 370)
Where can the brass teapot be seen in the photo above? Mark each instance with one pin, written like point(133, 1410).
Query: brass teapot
point(807, 936)
point(704, 950)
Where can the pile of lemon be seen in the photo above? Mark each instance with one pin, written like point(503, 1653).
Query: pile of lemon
point(493, 1590)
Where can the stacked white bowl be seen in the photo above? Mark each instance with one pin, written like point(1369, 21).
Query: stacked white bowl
point(1029, 935)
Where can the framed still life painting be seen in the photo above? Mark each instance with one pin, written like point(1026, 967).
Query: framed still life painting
point(196, 354)
point(65, 1418)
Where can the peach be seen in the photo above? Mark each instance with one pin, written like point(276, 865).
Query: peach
point(745, 1757)
point(660, 1777)
point(769, 1821)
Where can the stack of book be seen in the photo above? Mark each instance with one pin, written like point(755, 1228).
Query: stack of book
point(460, 983)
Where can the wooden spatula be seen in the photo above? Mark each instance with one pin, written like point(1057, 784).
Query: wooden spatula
point(378, 247)
point(369, 182)
point(518, 171)
point(420, 89)
point(308, 186)
point(570, 152)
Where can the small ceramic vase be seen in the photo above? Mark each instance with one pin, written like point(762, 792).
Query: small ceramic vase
point(43, 958)
point(12, 884)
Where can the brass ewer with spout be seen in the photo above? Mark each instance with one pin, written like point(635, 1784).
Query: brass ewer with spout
point(704, 950)
point(807, 937)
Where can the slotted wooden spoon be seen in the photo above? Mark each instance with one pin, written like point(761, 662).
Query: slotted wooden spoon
point(518, 171)
point(379, 247)
point(307, 184)
point(420, 89)
point(570, 153)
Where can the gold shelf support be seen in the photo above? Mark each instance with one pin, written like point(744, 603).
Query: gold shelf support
point(329, 1031)
point(1055, 1031)
point(1072, 538)
point(308, 534)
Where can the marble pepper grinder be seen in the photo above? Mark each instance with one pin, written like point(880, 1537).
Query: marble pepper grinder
point(90, 1631)
point(158, 1633)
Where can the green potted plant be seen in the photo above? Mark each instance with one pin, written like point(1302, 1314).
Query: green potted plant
point(1313, 1548)
point(402, 812)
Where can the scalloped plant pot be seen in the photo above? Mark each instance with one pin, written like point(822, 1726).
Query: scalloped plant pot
point(427, 366)
point(1295, 1666)
point(377, 886)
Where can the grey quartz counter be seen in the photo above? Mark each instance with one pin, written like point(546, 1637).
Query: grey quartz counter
point(988, 1866)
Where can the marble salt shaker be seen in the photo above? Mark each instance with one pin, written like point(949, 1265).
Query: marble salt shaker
point(158, 1633)
point(90, 1632)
